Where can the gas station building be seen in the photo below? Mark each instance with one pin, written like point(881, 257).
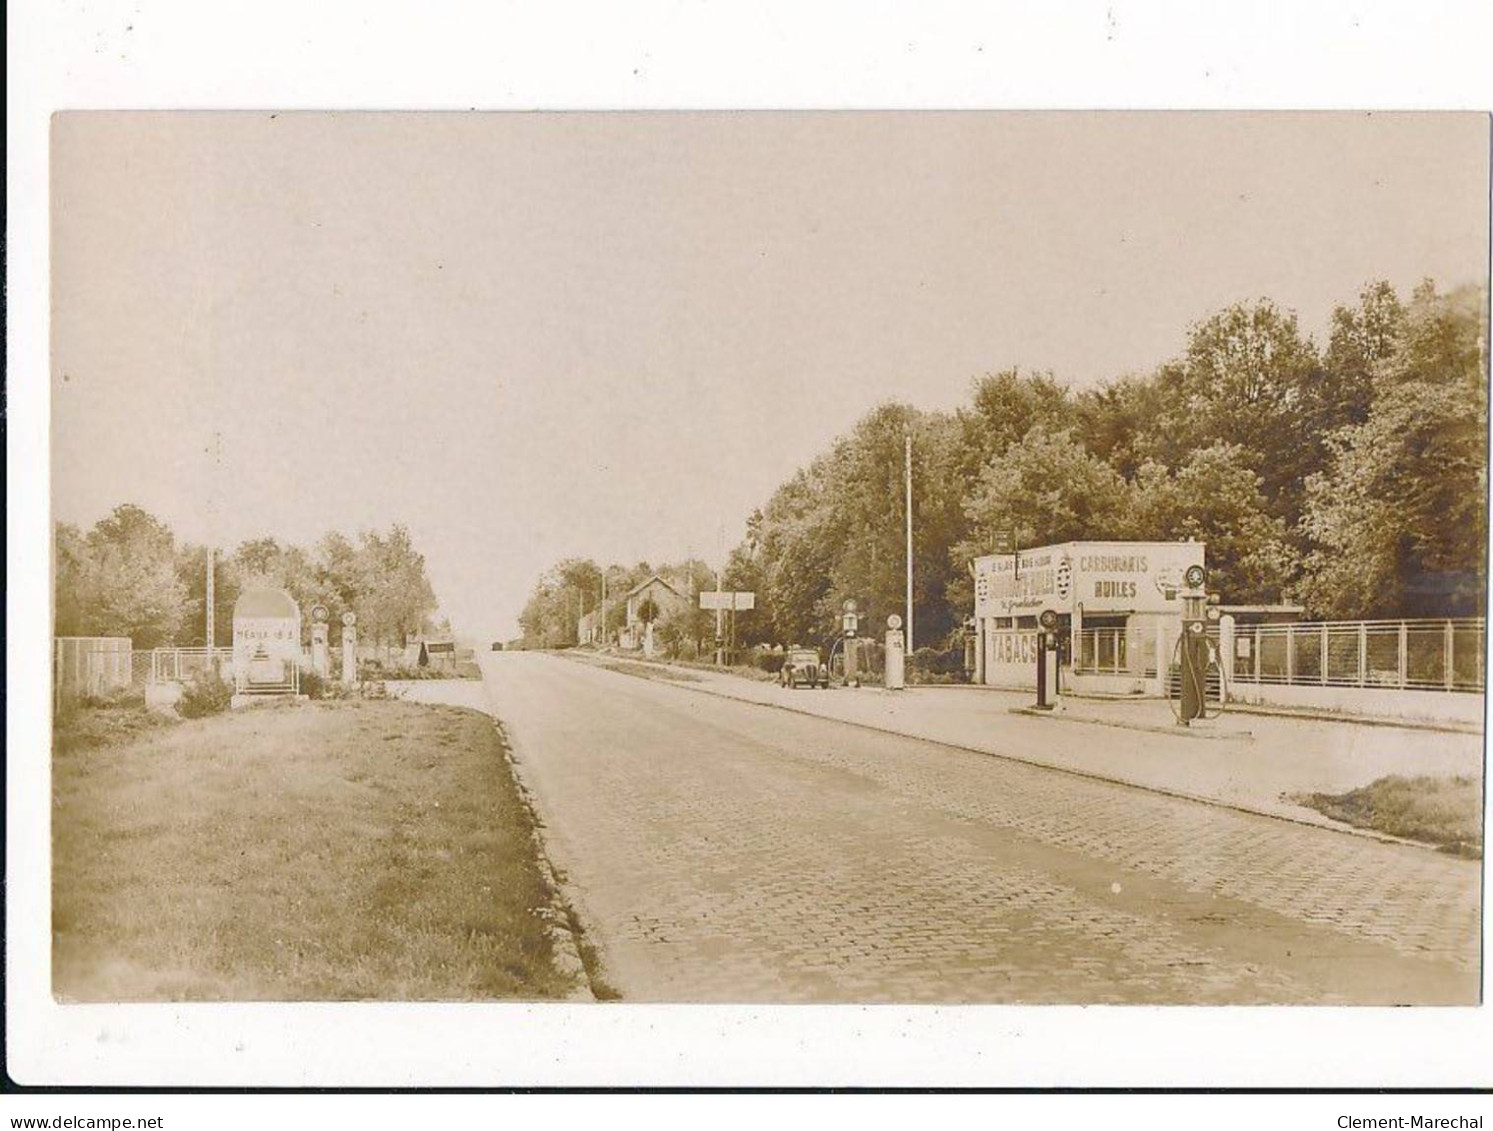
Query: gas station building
point(1118, 605)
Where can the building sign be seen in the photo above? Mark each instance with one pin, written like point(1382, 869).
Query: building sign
point(1001, 590)
point(1011, 659)
point(1103, 577)
point(742, 602)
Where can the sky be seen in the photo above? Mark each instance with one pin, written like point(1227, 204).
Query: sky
point(533, 336)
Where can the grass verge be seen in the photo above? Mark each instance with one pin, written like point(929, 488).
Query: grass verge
point(326, 851)
point(647, 670)
point(1444, 811)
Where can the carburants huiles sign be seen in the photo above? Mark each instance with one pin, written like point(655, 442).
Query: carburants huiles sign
point(1103, 577)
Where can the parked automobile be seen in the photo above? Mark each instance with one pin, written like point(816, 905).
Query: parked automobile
point(802, 666)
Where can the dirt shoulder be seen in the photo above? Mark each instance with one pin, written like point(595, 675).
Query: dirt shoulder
point(326, 851)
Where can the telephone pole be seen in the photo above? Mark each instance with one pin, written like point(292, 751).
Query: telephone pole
point(209, 634)
point(907, 453)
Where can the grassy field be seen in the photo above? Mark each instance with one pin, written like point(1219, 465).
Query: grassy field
point(1445, 811)
point(326, 851)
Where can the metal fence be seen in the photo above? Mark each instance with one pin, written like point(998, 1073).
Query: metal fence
point(89, 666)
point(181, 665)
point(1425, 655)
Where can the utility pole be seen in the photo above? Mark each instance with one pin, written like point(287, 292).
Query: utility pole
point(210, 613)
point(720, 643)
point(209, 633)
point(907, 451)
point(720, 654)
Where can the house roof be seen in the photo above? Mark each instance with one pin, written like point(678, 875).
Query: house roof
point(640, 586)
point(265, 602)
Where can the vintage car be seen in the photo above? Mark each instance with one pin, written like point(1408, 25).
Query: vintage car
point(802, 666)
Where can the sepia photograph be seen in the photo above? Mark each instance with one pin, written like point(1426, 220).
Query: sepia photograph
point(957, 558)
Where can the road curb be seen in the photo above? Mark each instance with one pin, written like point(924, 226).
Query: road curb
point(1348, 830)
point(1238, 707)
point(560, 917)
point(1170, 732)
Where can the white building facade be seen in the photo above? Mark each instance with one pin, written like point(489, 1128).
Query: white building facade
point(1117, 603)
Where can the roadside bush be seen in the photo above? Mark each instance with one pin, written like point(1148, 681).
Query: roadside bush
point(770, 662)
point(438, 670)
point(938, 665)
point(313, 684)
point(119, 697)
point(207, 694)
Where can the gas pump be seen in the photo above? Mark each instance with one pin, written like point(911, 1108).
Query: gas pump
point(1047, 647)
point(849, 626)
point(895, 671)
point(1198, 608)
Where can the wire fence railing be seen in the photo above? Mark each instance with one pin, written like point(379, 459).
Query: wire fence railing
point(1424, 655)
point(181, 665)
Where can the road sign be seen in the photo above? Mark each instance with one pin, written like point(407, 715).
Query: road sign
point(1005, 542)
point(742, 601)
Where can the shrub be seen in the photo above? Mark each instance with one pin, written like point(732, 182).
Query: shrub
point(207, 694)
point(938, 665)
point(122, 697)
point(313, 684)
point(770, 662)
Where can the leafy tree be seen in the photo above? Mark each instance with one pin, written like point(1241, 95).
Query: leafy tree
point(1004, 407)
point(191, 568)
point(1398, 522)
point(397, 598)
point(1215, 498)
point(1244, 380)
point(338, 575)
point(72, 604)
point(1045, 489)
point(120, 580)
point(796, 533)
point(1118, 422)
point(1361, 339)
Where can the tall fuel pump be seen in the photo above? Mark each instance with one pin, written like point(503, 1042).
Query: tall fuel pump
point(1194, 649)
point(1047, 656)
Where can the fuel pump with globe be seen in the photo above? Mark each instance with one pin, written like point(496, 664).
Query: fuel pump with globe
point(849, 626)
point(1047, 645)
point(1194, 647)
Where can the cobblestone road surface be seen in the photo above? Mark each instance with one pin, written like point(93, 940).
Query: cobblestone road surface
point(725, 851)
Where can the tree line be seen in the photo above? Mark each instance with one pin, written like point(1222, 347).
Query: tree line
point(1350, 477)
point(573, 589)
point(128, 576)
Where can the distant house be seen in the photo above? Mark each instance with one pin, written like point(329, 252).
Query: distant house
point(667, 599)
point(588, 628)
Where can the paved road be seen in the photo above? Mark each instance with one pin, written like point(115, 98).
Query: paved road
point(726, 851)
